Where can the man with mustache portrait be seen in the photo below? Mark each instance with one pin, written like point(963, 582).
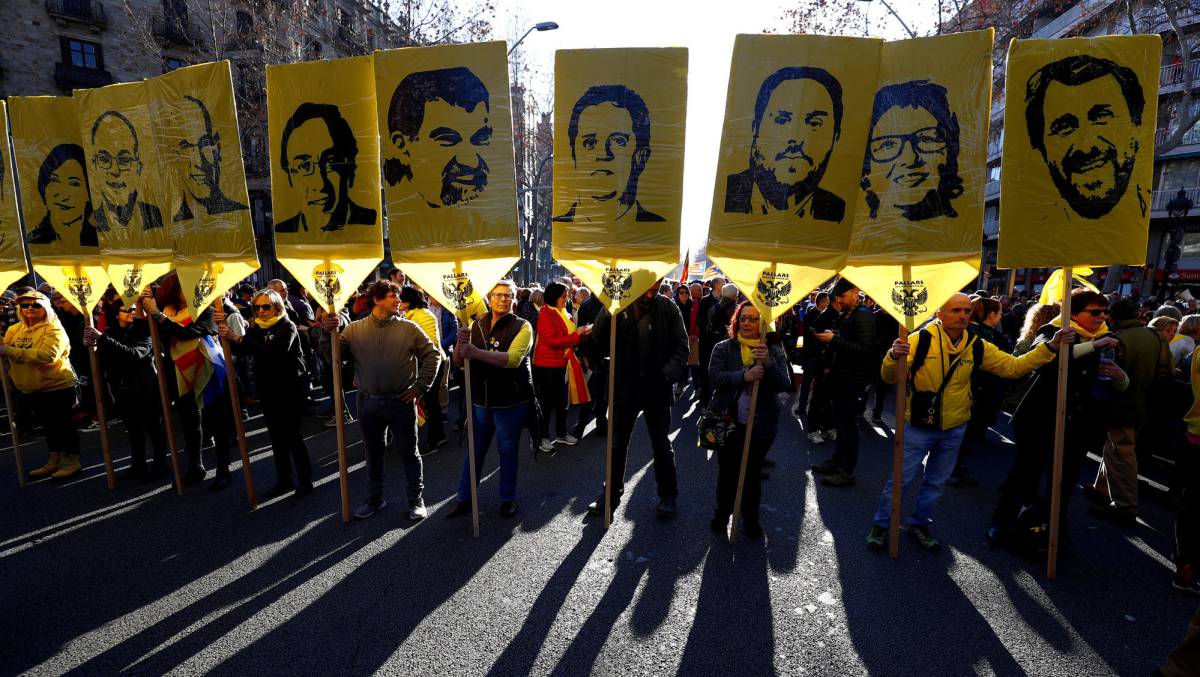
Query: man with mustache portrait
point(318, 154)
point(439, 121)
point(797, 121)
point(1083, 114)
point(609, 133)
point(117, 164)
point(197, 162)
point(911, 164)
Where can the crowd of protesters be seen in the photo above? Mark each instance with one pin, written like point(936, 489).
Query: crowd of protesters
point(538, 357)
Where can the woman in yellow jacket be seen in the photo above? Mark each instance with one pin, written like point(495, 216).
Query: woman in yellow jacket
point(37, 349)
point(416, 309)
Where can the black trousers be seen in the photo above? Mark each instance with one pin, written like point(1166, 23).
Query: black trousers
point(141, 410)
point(849, 403)
point(215, 419)
point(658, 425)
point(435, 416)
point(281, 412)
point(820, 402)
point(550, 384)
point(52, 410)
point(1034, 460)
point(1187, 521)
point(729, 463)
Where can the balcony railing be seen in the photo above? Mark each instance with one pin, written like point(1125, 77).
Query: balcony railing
point(87, 12)
point(1173, 74)
point(175, 30)
point(1065, 22)
point(69, 76)
point(991, 190)
point(1191, 136)
point(1158, 202)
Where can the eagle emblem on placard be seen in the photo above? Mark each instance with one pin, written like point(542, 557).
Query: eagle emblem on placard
point(459, 292)
point(328, 284)
point(133, 282)
point(774, 288)
point(910, 299)
point(204, 287)
point(617, 283)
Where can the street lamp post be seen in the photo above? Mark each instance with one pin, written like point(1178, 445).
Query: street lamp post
point(541, 26)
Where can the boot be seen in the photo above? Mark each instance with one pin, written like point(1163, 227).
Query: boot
point(50, 468)
point(70, 466)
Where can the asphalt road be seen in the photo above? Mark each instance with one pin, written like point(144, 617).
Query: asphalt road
point(142, 581)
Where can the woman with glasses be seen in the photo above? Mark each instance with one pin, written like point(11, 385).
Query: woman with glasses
point(274, 343)
point(1022, 515)
point(126, 356)
point(38, 355)
point(501, 390)
point(749, 355)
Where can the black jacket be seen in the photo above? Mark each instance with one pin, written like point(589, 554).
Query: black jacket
point(278, 362)
point(126, 358)
point(494, 386)
point(854, 363)
point(1088, 398)
point(652, 349)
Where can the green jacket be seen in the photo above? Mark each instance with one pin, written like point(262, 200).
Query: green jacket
point(1145, 357)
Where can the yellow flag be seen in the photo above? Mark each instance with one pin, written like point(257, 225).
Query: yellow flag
point(796, 118)
point(325, 173)
point(60, 225)
point(127, 188)
point(12, 253)
point(446, 131)
point(619, 117)
point(1078, 161)
point(200, 151)
point(919, 222)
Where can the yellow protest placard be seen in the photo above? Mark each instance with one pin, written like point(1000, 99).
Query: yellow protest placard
point(923, 174)
point(60, 224)
point(1078, 162)
point(200, 150)
point(126, 187)
point(325, 173)
point(12, 252)
point(619, 119)
point(796, 120)
point(446, 133)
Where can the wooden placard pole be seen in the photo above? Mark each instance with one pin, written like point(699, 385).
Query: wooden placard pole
point(165, 399)
point(339, 412)
point(1060, 427)
point(235, 404)
point(474, 472)
point(102, 419)
point(608, 443)
point(12, 421)
point(737, 499)
point(898, 438)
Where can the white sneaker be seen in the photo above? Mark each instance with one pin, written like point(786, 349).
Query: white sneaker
point(815, 438)
point(830, 435)
point(569, 440)
point(417, 511)
point(546, 446)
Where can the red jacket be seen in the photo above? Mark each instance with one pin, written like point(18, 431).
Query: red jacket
point(552, 339)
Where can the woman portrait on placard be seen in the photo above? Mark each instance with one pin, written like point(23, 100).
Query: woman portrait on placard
point(63, 186)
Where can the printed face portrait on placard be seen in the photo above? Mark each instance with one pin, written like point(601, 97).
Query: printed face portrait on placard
point(797, 123)
point(609, 133)
point(53, 166)
point(324, 148)
point(116, 159)
point(446, 138)
point(196, 158)
point(1078, 151)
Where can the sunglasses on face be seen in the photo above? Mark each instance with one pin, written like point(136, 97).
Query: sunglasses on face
point(262, 307)
point(28, 306)
point(125, 311)
point(1096, 312)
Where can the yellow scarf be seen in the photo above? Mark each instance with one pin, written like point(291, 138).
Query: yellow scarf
point(567, 318)
point(747, 346)
point(1087, 336)
point(267, 324)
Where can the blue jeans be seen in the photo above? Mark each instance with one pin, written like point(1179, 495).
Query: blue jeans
point(377, 418)
point(942, 448)
point(506, 423)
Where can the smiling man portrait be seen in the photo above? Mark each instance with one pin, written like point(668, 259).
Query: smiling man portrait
point(118, 166)
point(318, 153)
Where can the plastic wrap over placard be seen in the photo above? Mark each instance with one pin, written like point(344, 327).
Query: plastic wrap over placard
point(325, 173)
point(200, 153)
point(619, 126)
point(12, 250)
point(127, 187)
point(923, 173)
point(1078, 157)
point(796, 118)
point(60, 218)
point(446, 139)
